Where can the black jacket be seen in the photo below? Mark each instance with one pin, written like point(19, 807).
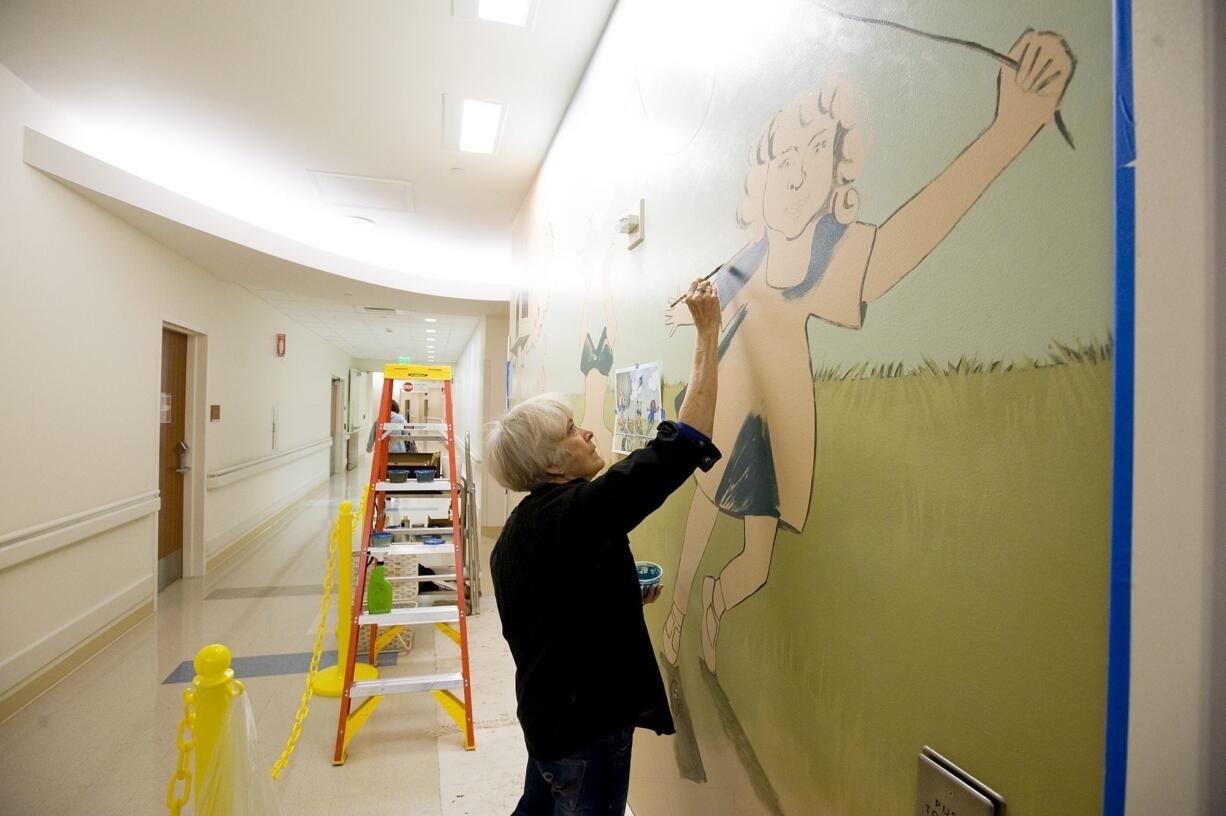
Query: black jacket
point(569, 598)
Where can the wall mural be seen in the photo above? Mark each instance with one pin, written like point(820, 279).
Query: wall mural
point(907, 539)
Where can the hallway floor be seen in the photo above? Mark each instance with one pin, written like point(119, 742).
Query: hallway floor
point(103, 741)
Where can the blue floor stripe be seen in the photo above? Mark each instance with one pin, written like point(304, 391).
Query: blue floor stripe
point(270, 665)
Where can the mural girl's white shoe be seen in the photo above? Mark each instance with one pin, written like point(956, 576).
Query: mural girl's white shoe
point(711, 598)
point(672, 634)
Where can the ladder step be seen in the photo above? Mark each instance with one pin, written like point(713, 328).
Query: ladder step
point(436, 486)
point(413, 617)
point(439, 427)
point(411, 549)
point(421, 578)
point(406, 685)
point(419, 531)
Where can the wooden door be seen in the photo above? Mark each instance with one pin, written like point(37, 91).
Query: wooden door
point(172, 444)
point(334, 428)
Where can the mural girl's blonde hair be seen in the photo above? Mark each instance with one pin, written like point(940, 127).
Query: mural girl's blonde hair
point(836, 101)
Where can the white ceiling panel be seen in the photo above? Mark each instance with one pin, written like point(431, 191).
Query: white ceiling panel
point(376, 336)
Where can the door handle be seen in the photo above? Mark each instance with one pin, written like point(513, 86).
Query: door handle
point(183, 466)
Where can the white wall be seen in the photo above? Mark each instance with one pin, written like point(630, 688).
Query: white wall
point(480, 389)
point(85, 297)
point(1173, 710)
point(469, 390)
point(494, 509)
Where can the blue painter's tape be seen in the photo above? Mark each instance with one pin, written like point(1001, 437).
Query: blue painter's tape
point(1119, 636)
point(270, 665)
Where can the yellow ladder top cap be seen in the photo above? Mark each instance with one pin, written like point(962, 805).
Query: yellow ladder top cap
point(401, 371)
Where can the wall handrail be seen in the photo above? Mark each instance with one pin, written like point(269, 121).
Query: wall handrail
point(244, 470)
point(31, 542)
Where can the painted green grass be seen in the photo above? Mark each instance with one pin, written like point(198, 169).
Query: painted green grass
point(950, 589)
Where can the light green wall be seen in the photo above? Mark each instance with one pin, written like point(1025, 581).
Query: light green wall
point(950, 584)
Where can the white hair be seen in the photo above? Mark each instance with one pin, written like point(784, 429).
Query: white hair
point(527, 441)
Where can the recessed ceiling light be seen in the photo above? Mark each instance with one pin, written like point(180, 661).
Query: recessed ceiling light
point(431, 331)
point(431, 319)
point(511, 12)
point(479, 125)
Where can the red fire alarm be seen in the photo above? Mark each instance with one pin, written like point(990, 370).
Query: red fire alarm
point(280, 345)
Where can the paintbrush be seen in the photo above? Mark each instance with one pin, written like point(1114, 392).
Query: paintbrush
point(706, 277)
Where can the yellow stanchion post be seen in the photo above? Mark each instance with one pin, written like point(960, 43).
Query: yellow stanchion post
point(330, 682)
point(212, 690)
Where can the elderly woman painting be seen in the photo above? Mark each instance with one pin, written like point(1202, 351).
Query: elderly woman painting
point(567, 589)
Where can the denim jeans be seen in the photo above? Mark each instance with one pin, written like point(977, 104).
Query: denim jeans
point(591, 782)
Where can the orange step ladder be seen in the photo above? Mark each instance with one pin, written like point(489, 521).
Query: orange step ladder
point(360, 698)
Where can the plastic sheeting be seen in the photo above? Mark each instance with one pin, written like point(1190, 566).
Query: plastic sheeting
point(236, 784)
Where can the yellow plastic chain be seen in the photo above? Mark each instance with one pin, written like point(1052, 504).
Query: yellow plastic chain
point(360, 515)
point(324, 604)
point(186, 740)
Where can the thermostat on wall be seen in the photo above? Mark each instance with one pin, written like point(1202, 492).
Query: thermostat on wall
point(632, 225)
point(944, 789)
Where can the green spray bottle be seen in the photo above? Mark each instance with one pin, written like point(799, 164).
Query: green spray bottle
point(378, 589)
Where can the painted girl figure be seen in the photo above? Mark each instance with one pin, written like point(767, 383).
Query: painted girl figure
point(596, 361)
point(808, 256)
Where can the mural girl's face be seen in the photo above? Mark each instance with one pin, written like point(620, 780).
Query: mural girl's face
point(582, 459)
point(800, 174)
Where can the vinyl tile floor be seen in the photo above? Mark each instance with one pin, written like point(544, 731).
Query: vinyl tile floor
point(102, 741)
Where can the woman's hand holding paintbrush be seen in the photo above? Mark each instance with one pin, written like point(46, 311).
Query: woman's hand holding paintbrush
point(706, 277)
point(675, 316)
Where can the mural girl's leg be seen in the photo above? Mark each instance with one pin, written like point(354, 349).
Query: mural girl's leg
point(741, 577)
point(698, 525)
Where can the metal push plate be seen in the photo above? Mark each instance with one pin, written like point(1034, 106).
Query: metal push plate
point(944, 789)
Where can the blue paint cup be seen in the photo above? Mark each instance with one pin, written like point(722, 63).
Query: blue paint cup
point(433, 540)
point(381, 539)
point(650, 574)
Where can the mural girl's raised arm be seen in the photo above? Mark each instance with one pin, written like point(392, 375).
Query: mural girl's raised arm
point(610, 314)
point(1028, 99)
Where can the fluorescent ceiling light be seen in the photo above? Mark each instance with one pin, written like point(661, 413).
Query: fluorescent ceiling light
point(431, 319)
point(479, 126)
point(511, 12)
point(431, 331)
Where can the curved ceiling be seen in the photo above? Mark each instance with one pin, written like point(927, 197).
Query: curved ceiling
point(232, 104)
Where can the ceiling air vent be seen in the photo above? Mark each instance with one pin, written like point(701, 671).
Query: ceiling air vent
point(341, 190)
point(380, 310)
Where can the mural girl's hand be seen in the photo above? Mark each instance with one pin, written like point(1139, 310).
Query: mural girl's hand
point(675, 315)
point(702, 300)
point(652, 595)
point(1030, 95)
